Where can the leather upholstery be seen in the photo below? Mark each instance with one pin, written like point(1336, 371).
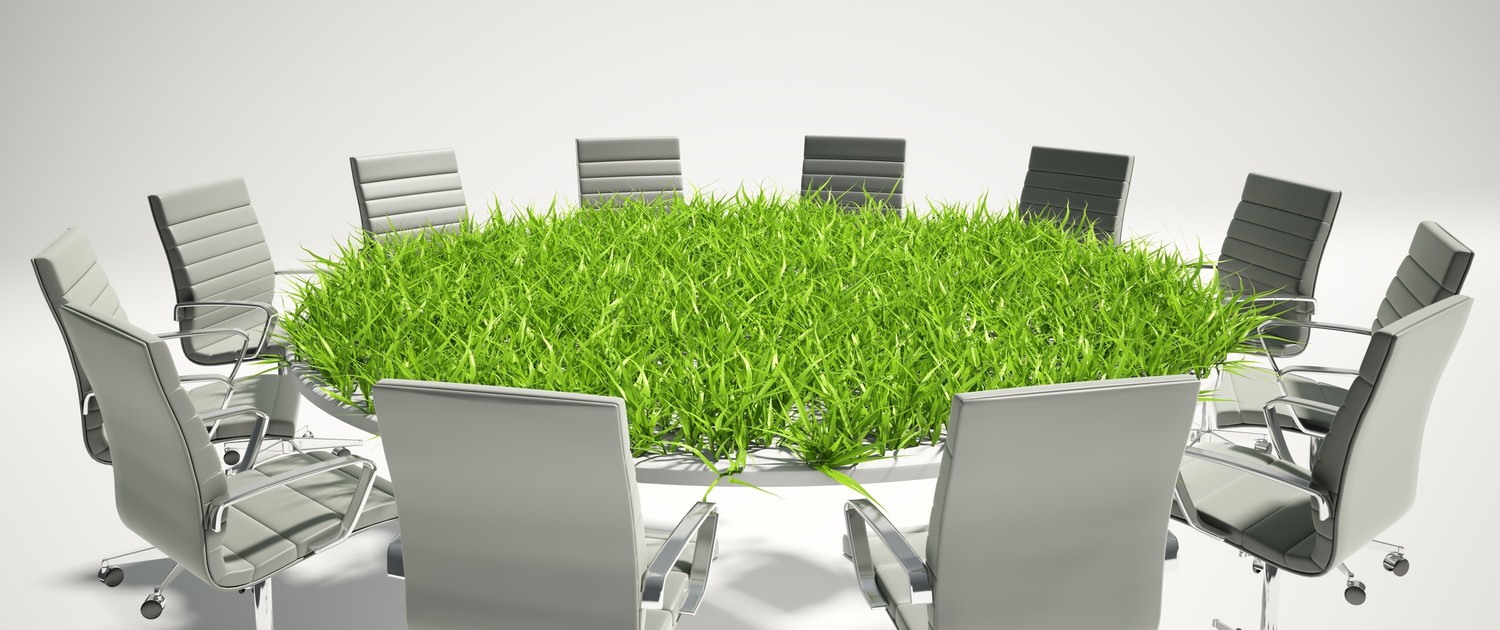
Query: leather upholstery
point(1275, 243)
point(536, 541)
point(854, 170)
point(69, 272)
point(216, 251)
point(1075, 187)
point(166, 472)
point(406, 192)
point(1006, 551)
point(1368, 463)
point(643, 169)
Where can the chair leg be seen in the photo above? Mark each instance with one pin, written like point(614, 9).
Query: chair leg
point(155, 602)
point(112, 575)
point(1269, 598)
point(260, 595)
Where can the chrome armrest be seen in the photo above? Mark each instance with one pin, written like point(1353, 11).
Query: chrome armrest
point(295, 272)
point(1316, 369)
point(228, 384)
point(265, 329)
point(1318, 325)
point(1271, 473)
point(1278, 438)
point(201, 332)
point(702, 518)
point(861, 513)
point(257, 435)
point(216, 511)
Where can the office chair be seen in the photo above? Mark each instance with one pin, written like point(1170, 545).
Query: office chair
point(854, 172)
point(403, 193)
point(234, 532)
point(1078, 187)
point(535, 541)
point(640, 169)
point(1083, 549)
point(1308, 521)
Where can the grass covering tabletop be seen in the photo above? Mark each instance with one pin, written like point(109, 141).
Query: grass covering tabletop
point(739, 322)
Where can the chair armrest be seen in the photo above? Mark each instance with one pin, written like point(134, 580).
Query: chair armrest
point(1271, 473)
point(1278, 438)
point(861, 513)
point(296, 272)
point(702, 518)
point(265, 329)
point(1318, 325)
point(216, 511)
point(203, 332)
point(1316, 369)
point(257, 435)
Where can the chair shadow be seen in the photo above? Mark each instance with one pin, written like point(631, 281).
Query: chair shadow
point(762, 581)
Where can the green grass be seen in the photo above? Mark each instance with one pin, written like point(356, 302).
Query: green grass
point(735, 323)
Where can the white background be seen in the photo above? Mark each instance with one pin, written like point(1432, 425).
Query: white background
point(105, 103)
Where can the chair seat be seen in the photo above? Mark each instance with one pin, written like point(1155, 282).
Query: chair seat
point(262, 391)
point(226, 350)
point(272, 531)
point(1260, 516)
point(890, 578)
point(1242, 397)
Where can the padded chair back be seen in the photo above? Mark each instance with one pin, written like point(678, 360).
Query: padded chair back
point(69, 272)
point(1077, 187)
point(165, 470)
point(1010, 549)
point(405, 192)
point(1276, 238)
point(854, 171)
point(216, 251)
point(1370, 458)
point(1435, 267)
point(546, 535)
point(643, 169)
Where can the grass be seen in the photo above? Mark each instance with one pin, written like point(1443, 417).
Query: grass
point(733, 323)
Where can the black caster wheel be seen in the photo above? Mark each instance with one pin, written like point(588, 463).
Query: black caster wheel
point(151, 609)
point(1355, 593)
point(1396, 563)
point(111, 576)
point(240, 591)
point(1256, 568)
point(231, 458)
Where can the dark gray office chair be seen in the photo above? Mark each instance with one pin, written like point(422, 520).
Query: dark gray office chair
point(1078, 187)
point(1434, 269)
point(233, 532)
point(221, 267)
point(854, 171)
point(1275, 243)
point(1363, 479)
point(536, 541)
point(641, 169)
point(403, 193)
point(1003, 550)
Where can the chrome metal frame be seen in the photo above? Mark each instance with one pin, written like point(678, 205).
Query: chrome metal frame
point(702, 518)
point(1269, 597)
point(1273, 424)
point(861, 513)
point(265, 329)
point(217, 510)
point(244, 342)
point(260, 596)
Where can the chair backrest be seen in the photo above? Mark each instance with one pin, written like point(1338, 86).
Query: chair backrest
point(1276, 238)
point(1009, 550)
point(69, 272)
point(216, 251)
point(1435, 267)
point(854, 170)
point(405, 192)
point(1076, 187)
point(165, 470)
point(1370, 458)
point(643, 169)
point(545, 535)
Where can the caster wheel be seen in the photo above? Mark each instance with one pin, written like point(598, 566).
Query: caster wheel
point(231, 458)
point(240, 591)
point(1397, 564)
point(1355, 593)
point(340, 451)
point(151, 609)
point(111, 576)
point(1257, 567)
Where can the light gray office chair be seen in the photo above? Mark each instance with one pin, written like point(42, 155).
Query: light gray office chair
point(854, 171)
point(1364, 478)
point(545, 538)
point(1003, 550)
point(403, 193)
point(1275, 243)
point(233, 532)
point(1078, 187)
point(1434, 269)
point(642, 169)
point(221, 267)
